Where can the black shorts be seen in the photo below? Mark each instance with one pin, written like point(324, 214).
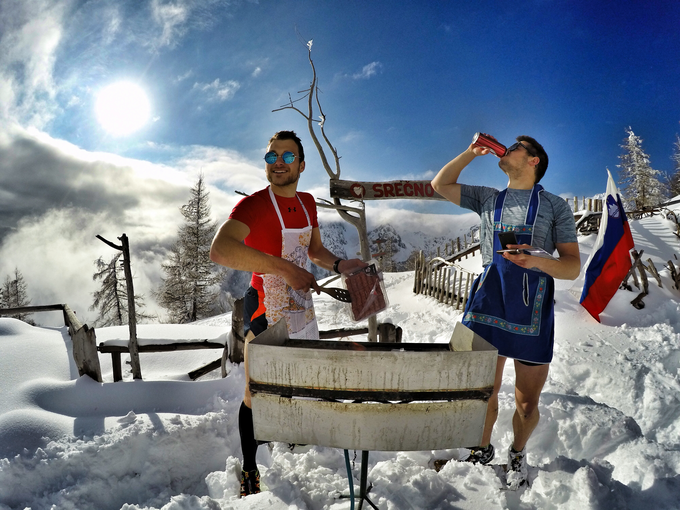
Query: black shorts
point(530, 364)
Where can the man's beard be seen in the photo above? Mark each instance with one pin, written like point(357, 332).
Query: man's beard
point(290, 179)
point(507, 168)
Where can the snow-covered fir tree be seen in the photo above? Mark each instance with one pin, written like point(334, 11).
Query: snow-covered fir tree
point(674, 178)
point(14, 294)
point(111, 300)
point(190, 289)
point(640, 183)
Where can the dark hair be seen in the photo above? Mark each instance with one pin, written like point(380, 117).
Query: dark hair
point(290, 135)
point(540, 152)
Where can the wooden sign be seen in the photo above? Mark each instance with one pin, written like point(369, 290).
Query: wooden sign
point(392, 190)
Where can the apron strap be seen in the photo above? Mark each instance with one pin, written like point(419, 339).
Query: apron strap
point(278, 212)
point(532, 209)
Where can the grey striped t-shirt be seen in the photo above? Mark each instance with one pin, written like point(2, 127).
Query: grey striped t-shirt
point(554, 223)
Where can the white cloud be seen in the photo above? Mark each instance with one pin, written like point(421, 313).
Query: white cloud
point(352, 136)
point(227, 171)
point(184, 76)
point(31, 32)
point(172, 18)
point(74, 101)
point(368, 71)
point(56, 197)
point(113, 23)
point(218, 91)
point(176, 17)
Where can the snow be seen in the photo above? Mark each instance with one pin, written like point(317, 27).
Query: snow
point(609, 434)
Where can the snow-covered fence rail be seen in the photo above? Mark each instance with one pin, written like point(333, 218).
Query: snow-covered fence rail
point(82, 337)
point(643, 283)
point(673, 216)
point(443, 280)
point(186, 345)
point(459, 246)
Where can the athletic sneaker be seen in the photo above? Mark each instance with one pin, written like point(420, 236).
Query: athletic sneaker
point(518, 472)
point(250, 482)
point(481, 454)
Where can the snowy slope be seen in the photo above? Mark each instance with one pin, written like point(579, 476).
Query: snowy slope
point(608, 437)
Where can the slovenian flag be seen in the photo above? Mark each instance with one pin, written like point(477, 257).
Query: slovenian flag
point(610, 261)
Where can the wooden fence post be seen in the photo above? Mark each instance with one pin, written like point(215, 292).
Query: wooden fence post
point(652, 269)
point(416, 275)
point(449, 291)
point(675, 274)
point(132, 316)
point(84, 346)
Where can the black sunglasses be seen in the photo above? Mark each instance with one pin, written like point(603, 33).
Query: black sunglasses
point(516, 145)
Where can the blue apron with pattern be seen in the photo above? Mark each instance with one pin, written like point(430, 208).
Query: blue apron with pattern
point(509, 306)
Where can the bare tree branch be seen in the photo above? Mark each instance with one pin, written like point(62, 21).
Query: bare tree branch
point(357, 217)
point(354, 216)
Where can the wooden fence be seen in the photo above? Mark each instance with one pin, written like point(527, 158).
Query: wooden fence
point(586, 204)
point(86, 351)
point(82, 336)
point(443, 279)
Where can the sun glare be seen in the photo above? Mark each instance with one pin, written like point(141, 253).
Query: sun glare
point(122, 108)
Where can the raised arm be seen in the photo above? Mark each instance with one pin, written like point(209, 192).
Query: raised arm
point(446, 181)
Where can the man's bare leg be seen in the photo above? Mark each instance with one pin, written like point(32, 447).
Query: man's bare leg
point(492, 409)
point(529, 382)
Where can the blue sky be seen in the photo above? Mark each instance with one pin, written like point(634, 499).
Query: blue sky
point(404, 86)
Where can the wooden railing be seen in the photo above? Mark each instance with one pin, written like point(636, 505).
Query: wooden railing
point(443, 279)
point(82, 336)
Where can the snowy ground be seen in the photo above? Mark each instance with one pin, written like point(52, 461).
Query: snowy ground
point(609, 436)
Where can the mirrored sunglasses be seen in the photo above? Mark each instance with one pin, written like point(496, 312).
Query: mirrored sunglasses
point(287, 157)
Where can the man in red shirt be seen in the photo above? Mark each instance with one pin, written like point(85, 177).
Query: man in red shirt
point(272, 233)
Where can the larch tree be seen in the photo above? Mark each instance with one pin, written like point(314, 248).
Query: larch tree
point(14, 294)
point(111, 300)
point(640, 183)
point(190, 288)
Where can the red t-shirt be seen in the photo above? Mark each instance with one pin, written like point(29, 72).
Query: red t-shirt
point(257, 211)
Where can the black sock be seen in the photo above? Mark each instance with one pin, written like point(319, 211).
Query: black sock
point(248, 443)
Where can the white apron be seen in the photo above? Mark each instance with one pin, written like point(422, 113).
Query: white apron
point(280, 299)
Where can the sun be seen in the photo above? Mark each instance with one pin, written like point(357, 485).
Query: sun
point(122, 108)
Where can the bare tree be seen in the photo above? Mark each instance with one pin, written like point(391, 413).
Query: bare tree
point(353, 215)
point(14, 294)
point(356, 216)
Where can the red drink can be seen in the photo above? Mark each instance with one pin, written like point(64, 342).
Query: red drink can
point(496, 148)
